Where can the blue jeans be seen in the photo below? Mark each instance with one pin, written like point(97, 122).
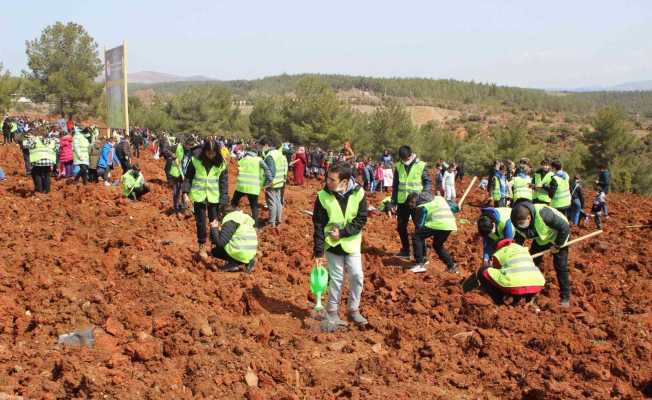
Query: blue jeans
point(575, 211)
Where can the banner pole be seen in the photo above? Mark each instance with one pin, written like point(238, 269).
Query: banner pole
point(106, 97)
point(126, 97)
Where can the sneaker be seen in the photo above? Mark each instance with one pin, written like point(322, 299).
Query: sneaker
point(231, 267)
point(249, 268)
point(357, 318)
point(106, 183)
point(403, 254)
point(418, 268)
point(565, 303)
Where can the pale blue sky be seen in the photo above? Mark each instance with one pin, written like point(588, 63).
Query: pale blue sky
point(525, 43)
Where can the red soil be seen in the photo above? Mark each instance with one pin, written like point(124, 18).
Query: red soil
point(168, 327)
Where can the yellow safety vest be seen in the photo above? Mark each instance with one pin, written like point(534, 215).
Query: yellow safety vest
point(350, 244)
point(409, 183)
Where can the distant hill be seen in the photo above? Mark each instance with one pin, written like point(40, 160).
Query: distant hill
point(623, 87)
point(152, 77)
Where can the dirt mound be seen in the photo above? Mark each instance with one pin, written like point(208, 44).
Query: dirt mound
point(168, 327)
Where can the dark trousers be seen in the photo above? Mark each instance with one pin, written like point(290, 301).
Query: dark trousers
point(137, 150)
point(83, 173)
point(403, 213)
point(177, 195)
point(92, 175)
point(438, 240)
point(201, 209)
point(219, 252)
point(125, 164)
point(28, 165)
point(500, 203)
point(253, 203)
point(560, 261)
point(104, 173)
point(138, 192)
point(41, 178)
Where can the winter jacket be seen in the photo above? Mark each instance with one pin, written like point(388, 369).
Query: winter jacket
point(106, 156)
point(94, 154)
point(65, 146)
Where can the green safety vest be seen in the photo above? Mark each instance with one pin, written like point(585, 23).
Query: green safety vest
point(206, 186)
point(440, 216)
point(517, 268)
point(14, 127)
point(350, 244)
point(385, 203)
point(250, 175)
point(244, 242)
point(505, 214)
point(521, 188)
point(175, 170)
point(42, 151)
point(280, 168)
point(408, 183)
point(545, 234)
point(80, 147)
point(495, 193)
point(562, 196)
point(129, 183)
point(540, 193)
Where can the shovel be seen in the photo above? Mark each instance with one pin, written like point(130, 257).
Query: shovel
point(318, 284)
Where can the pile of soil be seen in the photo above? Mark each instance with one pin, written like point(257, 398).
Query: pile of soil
point(168, 326)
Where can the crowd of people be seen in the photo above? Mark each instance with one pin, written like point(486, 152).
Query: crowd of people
point(531, 205)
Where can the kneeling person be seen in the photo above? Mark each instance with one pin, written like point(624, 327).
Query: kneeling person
point(434, 219)
point(513, 273)
point(235, 241)
point(339, 215)
point(133, 183)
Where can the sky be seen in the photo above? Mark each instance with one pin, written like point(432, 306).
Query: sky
point(551, 44)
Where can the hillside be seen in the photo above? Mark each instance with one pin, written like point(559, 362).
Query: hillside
point(445, 93)
point(166, 326)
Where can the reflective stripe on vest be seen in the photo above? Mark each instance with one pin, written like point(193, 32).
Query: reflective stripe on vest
point(409, 182)
point(440, 216)
point(244, 242)
point(540, 193)
point(350, 244)
point(496, 193)
point(80, 147)
point(206, 186)
point(521, 188)
point(42, 151)
point(504, 215)
point(250, 175)
point(280, 168)
point(517, 268)
point(174, 168)
point(562, 196)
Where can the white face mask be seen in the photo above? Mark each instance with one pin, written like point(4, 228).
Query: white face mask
point(522, 226)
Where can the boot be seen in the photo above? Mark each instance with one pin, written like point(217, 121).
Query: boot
point(332, 323)
point(357, 318)
point(202, 252)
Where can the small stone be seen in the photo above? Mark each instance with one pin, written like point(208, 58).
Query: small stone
point(377, 348)
point(336, 346)
point(251, 378)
